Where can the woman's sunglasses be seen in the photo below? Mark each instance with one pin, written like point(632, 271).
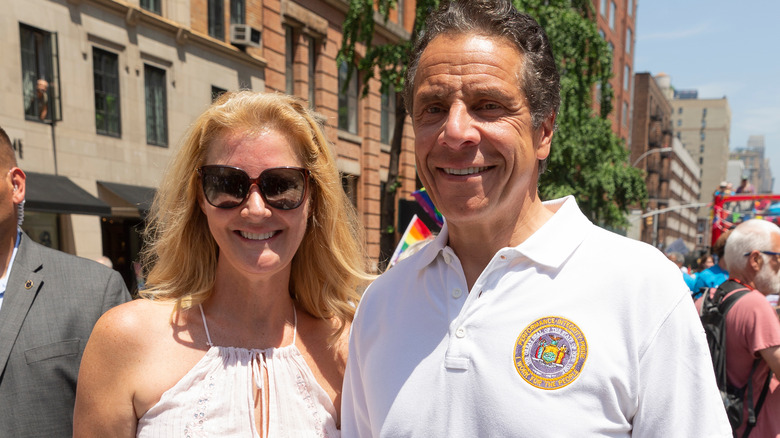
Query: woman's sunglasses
point(283, 188)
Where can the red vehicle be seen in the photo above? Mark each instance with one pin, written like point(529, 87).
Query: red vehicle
point(730, 210)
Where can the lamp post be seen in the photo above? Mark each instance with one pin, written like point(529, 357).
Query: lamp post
point(650, 151)
point(654, 237)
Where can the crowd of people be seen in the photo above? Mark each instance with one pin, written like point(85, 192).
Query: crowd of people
point(258, 316)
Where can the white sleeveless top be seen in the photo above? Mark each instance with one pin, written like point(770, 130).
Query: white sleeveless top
point(216, 397)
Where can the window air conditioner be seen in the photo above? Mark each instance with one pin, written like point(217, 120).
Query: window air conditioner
point(244, 35)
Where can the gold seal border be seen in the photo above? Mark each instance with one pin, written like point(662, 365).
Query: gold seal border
point(579, 362)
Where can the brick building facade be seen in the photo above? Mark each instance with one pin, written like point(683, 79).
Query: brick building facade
point(672, 175)
point(616, 21)
point(126, 79)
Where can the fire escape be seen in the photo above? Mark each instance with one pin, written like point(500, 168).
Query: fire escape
point(658, 168)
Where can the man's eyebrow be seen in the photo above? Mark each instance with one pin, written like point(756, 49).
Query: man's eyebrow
point(431, 94)
point(492, 93)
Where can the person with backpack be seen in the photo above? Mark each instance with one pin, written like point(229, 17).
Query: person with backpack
point(752, 328)
point(715, 274)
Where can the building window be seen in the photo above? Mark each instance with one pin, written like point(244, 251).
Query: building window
point(703, 135)
point(387, 124)
point(627, 78)
point(349, 184)
point(629, 38)
point(701, 160)
point(679, 122)
point(630, 7)
point(400, 9)
point(612, 8)
point(156, 106)
point(216, 92)
point(312, 71)
point(348, 107)
point(105, 71)
point(611, 48)
point(701, 149)
point(625, 113)
point(216, 9)
point(679, 110)
point(237, 12)
point(703, 113)
point(152, 6)
point(40, 74)
point(603, 7)
point(289, 59)
point(598, 92)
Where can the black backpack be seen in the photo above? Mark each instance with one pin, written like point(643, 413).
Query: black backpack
point(713, 318)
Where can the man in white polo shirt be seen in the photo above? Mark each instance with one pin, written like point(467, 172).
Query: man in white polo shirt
point(513, 321)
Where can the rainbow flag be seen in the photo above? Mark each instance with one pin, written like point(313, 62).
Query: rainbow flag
point(415, 232)
point(422, 198)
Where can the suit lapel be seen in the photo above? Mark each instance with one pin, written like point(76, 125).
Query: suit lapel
point(24, 282)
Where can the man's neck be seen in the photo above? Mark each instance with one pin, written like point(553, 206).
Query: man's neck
point(477, 244)
point(7, 249)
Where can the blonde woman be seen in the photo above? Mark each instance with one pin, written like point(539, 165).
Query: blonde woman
point(254, 262)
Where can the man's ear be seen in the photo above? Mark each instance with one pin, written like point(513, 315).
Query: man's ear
point(756, 261)
point(544, 137)
point(19, 181)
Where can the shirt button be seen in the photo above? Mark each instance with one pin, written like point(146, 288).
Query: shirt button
point(447, 259)
point(460, 332)
point(456, 293)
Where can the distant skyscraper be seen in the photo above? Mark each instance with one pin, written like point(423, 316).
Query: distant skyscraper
point(704, 126)
point(756, 166)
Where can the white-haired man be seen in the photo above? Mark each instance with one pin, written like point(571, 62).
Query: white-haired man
point(752, 327)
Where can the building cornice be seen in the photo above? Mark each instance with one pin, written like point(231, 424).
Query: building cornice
point(135, 16)
point(389, 30)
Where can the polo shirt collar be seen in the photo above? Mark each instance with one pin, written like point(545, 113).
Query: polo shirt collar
point(551, 245)
point(430, 251)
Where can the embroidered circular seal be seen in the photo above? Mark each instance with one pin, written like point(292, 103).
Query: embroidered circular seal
point(550, 352)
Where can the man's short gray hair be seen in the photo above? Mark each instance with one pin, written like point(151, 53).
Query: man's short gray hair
point(539, 78)
point(751, 235)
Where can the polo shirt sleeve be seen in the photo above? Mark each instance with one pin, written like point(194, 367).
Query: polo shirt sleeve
point(354, 410)
point(677, 391)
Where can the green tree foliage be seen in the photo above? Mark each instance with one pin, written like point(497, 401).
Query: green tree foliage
point(588, 160)
point(389, 61)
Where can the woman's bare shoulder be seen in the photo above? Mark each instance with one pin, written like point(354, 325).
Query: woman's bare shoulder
point(134, 321)
point(136, 352)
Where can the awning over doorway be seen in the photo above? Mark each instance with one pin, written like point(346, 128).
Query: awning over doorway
point(126, 200)
point(57, 194)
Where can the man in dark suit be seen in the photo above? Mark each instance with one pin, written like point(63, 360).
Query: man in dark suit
point(49, 302)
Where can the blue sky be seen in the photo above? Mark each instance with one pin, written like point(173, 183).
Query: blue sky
point(721, 48)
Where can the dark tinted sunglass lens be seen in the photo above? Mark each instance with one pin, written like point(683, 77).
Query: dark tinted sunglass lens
point(224, 187)
point(283, 188)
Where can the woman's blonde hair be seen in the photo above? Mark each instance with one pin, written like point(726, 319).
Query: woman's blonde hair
point(180, 256)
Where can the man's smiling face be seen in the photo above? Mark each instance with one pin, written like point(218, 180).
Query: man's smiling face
point(476, 150)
